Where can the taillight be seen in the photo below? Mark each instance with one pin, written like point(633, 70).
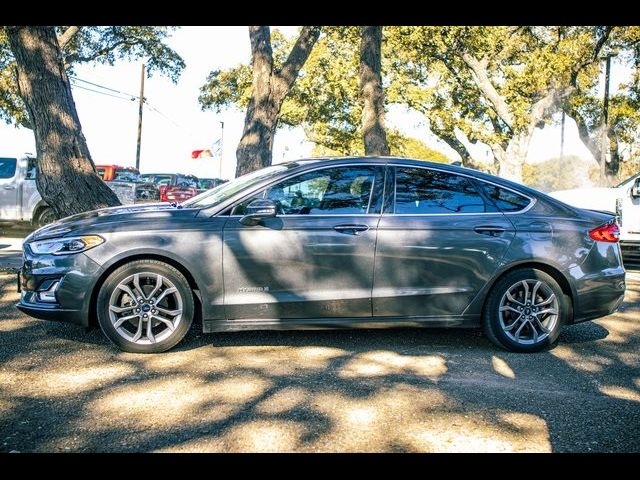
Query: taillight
point(606, 233)
point(163, 193)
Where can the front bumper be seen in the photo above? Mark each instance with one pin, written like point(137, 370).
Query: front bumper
point(76, 275)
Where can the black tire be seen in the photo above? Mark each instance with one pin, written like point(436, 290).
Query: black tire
point(44, 217)
point(491, 322)
point(155, 267)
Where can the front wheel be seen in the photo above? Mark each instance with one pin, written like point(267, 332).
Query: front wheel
point(525, 311)
point(145, 306)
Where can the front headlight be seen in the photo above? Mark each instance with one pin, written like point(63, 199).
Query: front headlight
point(65, 246)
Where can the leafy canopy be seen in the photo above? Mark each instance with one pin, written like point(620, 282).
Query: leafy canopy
point(101, 44)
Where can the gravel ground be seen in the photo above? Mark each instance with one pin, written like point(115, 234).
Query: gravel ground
point(64, 389)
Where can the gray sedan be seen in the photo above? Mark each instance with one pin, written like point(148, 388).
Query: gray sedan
point(350, 242)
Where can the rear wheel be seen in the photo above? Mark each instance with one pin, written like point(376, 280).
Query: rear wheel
point(145, 306)
point(525, 311)
point(44, 217)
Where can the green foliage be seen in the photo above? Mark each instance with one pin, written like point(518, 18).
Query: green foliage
point(413, 148)
point(424, 68)
point(98, 44)
point(560, 174)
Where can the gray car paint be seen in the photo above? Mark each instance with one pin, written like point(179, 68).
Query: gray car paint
point(318, 277)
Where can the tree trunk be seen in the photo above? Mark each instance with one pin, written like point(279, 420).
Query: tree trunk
point(269, 89)
point(375, 138)
point(66, 176)
point(511, 159)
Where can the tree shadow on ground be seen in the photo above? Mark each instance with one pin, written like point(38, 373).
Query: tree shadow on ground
point(344, 390)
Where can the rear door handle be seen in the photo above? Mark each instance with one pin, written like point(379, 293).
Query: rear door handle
point(489, 230)
point(351, 229)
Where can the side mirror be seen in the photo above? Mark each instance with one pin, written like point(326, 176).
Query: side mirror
point(635, 190)
point(258, 210)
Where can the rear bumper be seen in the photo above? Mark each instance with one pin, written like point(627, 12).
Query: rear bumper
point(599, 283)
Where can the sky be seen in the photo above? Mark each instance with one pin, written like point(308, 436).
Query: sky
point(176, 125)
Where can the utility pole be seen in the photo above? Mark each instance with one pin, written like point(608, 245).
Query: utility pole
point(605, 123)
point(221, 146)
point(562, 137)
point(140, 117)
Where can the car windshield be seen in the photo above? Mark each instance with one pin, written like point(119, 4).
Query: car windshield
point(627, 180)
point(225, 190)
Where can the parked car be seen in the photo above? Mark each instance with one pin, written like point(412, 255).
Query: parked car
point(624, 200)
point(350, 242)
point(209, 183)
point(174, 187)
point(117, 176)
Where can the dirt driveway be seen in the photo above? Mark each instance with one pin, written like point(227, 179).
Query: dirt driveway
point(62, 389)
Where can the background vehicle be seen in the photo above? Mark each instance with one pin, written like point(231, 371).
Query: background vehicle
point(20, 200)
point(357, 242)
point(128, 184)
point(209, 183)
point(174, 187)
point(623, 200)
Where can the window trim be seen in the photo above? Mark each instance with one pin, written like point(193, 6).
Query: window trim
point(323, 167)
point(532, 201)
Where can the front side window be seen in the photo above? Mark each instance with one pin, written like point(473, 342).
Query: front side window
point(31, 169)
point(331, 191)
point(422, 191)
point(7, 167)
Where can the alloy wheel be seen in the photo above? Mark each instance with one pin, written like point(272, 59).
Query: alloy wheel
point(528, 311)
point(145, 308)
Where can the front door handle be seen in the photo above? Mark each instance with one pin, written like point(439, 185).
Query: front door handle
point(351, 229)
point(489, 230)
point(10, 187)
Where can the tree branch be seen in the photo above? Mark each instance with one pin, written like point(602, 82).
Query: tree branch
point(596, 52)
point(298, 56)
point(479, 70)
point(583, 131)
point(450, 139)
point(67, 36)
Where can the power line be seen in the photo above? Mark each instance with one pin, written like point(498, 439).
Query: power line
point(102, 93)
point(128, 97)
point(105, 88)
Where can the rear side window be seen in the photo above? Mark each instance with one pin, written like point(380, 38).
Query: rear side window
point(506, 200)
point(422, 191)
point(7, 167)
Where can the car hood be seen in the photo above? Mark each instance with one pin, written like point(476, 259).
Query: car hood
point(108, 218)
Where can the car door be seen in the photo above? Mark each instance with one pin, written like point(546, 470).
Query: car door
point(439, 242)
point(8, 189)
point(315, 258)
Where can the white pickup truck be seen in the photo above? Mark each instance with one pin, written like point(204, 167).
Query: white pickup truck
point(623, 200)
point(20, 200)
